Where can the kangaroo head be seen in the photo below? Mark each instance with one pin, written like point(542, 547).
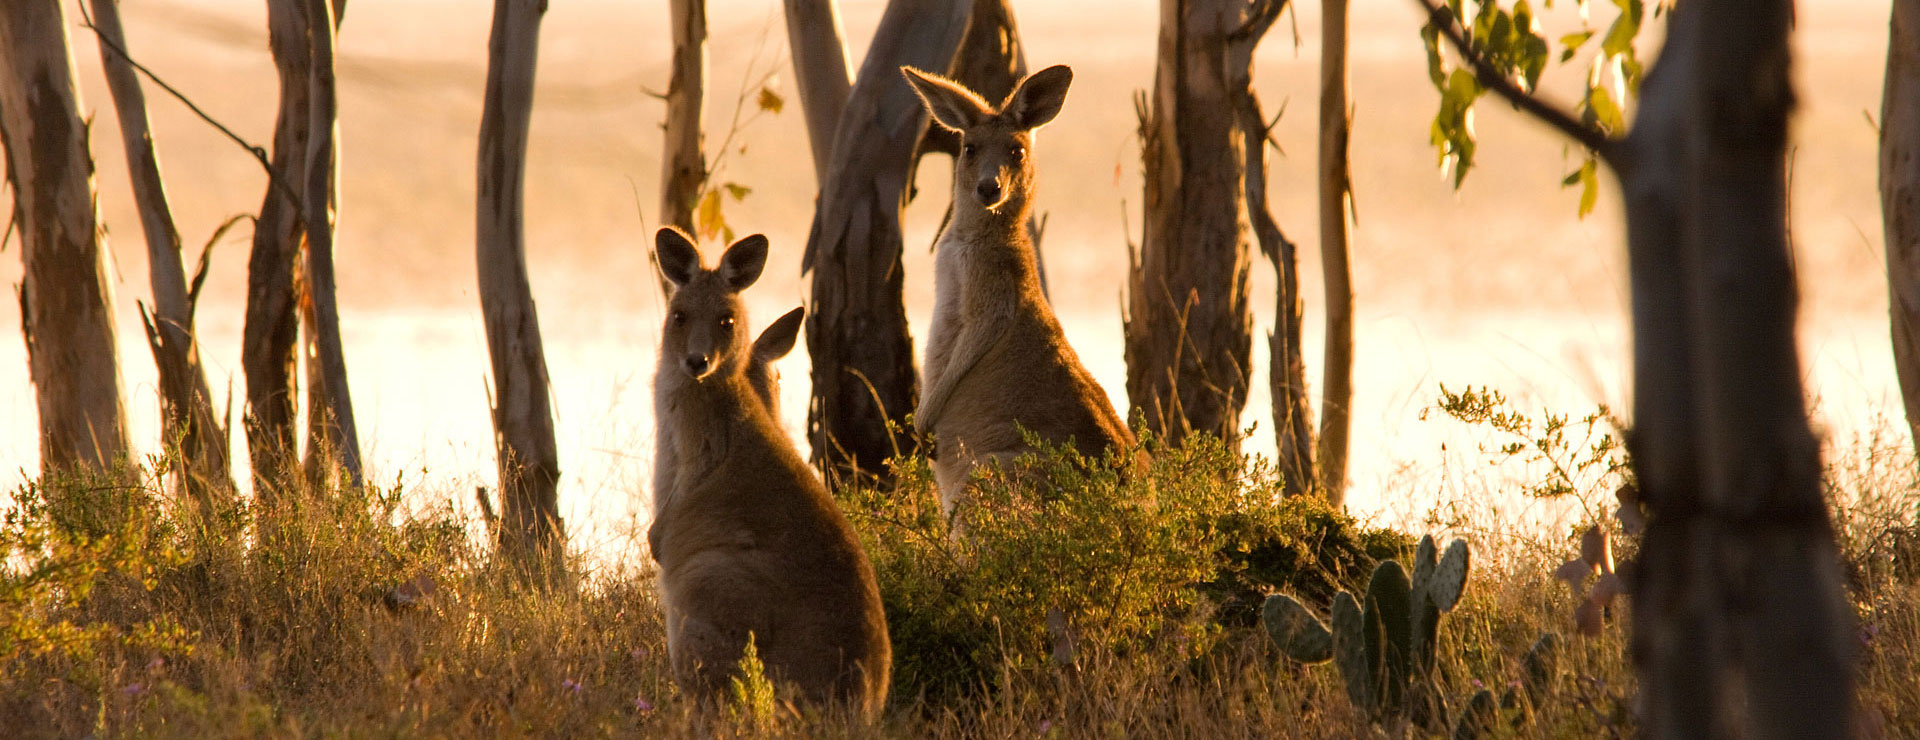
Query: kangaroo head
point(994, 168)
point(702, 336)
point(774, 342)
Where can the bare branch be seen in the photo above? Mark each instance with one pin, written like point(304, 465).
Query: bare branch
point(1441, 19)
point(259, 154)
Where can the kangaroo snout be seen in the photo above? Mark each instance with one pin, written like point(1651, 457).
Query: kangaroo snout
point(696, 365)
point(989, 192)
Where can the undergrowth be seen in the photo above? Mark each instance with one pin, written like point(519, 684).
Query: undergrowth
point(1076, 602)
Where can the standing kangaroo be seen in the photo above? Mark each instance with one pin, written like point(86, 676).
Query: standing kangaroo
point(997, 361)
point(748, 540)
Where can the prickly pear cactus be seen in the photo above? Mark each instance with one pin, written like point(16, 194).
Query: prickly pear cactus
point(1479, 717)
point(1387, 617)
point(1350, 651)
point(1296, 630)
point(1384, 644)
point(1449, 577)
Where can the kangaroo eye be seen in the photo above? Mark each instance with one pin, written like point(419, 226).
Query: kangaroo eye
point(679, 318)
point(726, 323)
point(1017, 151)
point(968, 149)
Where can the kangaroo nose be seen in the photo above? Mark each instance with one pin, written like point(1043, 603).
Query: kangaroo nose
point(988, 191)
point(695, 364)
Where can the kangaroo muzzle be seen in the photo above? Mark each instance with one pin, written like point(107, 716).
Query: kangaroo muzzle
point(697, 365)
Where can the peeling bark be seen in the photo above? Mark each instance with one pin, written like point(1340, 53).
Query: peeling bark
point(339, 439)
point(1188, 324)
point(863, 373)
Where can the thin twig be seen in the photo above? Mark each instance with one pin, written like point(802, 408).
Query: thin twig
point(259, 154)
point(1441, 19)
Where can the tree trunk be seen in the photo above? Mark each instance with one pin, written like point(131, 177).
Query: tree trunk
point(66, 303)
point(820, 74)
point(1287, 376)
point(1900, 199)
point(1188, 325)
point(863, 373)
point(683, 162)
point(186, 403)
point(1335, 187)
point(1738, 559)
point(530, 532)
point(272, 324)
point(340, 440)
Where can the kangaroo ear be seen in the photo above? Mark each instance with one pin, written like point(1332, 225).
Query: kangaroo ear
point(742, 263)
point(679, 259)
point(1039, 97)
point(777, 339)
point(951, 103)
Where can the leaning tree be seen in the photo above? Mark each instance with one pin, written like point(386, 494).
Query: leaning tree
point(1740, 622)
point(1900, 199)
point(864, 381)
point(189, 421)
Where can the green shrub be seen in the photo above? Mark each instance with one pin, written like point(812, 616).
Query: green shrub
point(1069, 554)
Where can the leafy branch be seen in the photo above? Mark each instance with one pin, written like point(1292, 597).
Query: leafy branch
point(1503, 52)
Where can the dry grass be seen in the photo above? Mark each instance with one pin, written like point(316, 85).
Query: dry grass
point(121, 616)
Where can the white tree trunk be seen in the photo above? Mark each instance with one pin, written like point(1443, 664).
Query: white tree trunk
point(340, 440)
point(530, 530)
point(66, 302)
point(820, 73)
point(187, 405)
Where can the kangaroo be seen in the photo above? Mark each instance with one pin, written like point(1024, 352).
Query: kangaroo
point(997, 360)
point(748, 540)
point(774, 342)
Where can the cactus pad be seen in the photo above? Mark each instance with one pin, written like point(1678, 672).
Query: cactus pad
point(1449, 577)
point(1424, 560)
point(1350, 651)
point(1296, 630)
point(1388, 622)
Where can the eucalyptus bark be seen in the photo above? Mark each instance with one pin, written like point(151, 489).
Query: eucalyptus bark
point(1188, 325)
point(1900, 199)
point(531, 531)
point(683, 163)
point(1739, 571)
point(272, 322)
point(187, 411)
point(1287, 374)
point(66, 303)
point(339, 440)
point(820, 74)
point(1335, 187)
point(863, 373)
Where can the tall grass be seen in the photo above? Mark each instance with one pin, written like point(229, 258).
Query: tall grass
point(1080, 603)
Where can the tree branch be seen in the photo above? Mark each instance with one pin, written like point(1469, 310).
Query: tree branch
point(258, 153)
point(1441, 19)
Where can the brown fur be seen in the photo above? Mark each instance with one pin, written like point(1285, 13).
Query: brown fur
point(748, 540)
point(997, 360)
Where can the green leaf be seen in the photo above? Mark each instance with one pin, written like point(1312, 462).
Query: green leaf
point(1436, 65)
point(738, 191)
point(1606, 112)
point(1573, 42)
point(771, 101)
point(1619, 39)
point(1589, 186)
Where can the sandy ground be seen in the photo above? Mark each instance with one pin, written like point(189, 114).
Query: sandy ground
point(1496, 284)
